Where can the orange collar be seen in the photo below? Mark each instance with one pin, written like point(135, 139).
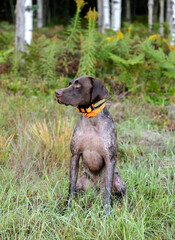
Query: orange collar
point(93, 109)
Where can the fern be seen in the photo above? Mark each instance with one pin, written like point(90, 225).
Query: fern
point(135, 60)
point(157, 58)
point(106, 48)
point(171, 57)
point(6, 39)
point(170, 74)
point(48, 62)
point(156, 55)
point(41, 60)
point(4, 54)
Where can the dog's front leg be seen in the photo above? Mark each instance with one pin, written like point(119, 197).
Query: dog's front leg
point(74, 167)
point(110, 163)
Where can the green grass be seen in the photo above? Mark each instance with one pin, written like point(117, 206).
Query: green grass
point(34, 174)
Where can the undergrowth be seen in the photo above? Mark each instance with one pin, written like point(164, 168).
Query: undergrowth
point(126, 56)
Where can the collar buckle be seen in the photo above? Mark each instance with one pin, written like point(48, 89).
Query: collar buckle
point(93, 109)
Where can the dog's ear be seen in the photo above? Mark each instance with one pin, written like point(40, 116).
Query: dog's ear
point(99, 90)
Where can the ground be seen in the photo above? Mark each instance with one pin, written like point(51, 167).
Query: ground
point(34, 164)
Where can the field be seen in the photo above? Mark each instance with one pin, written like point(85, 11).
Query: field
point(35, 132)
point(35, 137)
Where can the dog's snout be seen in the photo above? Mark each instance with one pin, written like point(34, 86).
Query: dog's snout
point(58, 93)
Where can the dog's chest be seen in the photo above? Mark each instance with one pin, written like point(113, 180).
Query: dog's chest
point(92, 136)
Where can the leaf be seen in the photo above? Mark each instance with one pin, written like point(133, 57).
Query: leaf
point(170, 74)
point(131, 62)
point(4, 54)
point(172, 57)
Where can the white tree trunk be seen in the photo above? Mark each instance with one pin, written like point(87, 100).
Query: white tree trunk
point(20, 25)
point(116, 14)
point(128, 11)
point(161, 17)
point(168, 11)
point(100, 14)
point(39, 13)
point(150, 14)
point(106, 15)
point(173, 23)
point(28, 21)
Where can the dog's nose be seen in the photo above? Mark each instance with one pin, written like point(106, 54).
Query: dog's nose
point(58, 93)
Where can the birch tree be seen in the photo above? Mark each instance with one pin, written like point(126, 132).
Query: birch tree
point(173, 23)
point(150, 15)
point(39, 13)
point(24, 23)
point(106, 15)
point(116, 14)
point(20, 24)
point(128, 11)
point(28, 22)
point(161, 17)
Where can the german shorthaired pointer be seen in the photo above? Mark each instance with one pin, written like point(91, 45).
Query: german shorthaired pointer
point(94, 139)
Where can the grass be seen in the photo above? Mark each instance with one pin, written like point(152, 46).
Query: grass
point(34, 174)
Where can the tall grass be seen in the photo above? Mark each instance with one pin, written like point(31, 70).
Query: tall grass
point(34, 176)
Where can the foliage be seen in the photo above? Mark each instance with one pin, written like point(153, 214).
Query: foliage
point(74, 28)
point(88, 46)
point(55, 57)
point(4, 55)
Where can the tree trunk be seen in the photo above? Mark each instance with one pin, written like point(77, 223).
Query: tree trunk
point(116, 14)
point(161, 17)
point(128, 11)
point(24, 23)
point(150, 15)
point(173, 23)
point(39, 13)
point(20, 25)
point(28, 22)
point(106, 15)
point(168, 11)
point(100, 14)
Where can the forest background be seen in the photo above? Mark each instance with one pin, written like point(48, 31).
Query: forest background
point(35, 131)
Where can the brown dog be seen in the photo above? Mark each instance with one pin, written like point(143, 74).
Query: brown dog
point(94, 139)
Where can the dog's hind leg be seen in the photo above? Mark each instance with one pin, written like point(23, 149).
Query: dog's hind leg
point(83, 183)
point(119, 186)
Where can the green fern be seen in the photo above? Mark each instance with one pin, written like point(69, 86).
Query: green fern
point(135, 60)
point(157, 55)
point(169, 74)
point(41, 60)
point(4, 54)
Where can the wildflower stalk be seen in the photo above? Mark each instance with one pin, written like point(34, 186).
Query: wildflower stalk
point(88, 46)
point(75, 27)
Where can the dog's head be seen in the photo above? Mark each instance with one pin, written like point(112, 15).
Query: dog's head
point(83, 90)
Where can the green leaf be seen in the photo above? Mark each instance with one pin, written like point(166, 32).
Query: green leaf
point(131, 62)
point(4, 54)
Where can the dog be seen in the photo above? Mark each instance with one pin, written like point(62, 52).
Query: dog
point(94, 140)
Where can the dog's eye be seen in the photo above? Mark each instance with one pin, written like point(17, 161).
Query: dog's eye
point(77, 85)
